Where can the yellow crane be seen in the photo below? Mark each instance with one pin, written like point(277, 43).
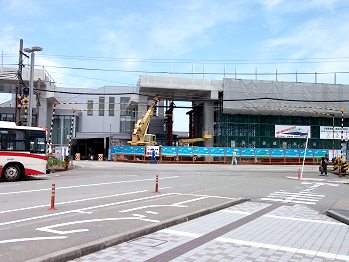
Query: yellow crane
point(206, 135)
point(139, 134)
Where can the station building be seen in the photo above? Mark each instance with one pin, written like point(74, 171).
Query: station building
point(238, 112)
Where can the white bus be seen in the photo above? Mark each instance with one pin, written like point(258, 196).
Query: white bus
point(22, 151)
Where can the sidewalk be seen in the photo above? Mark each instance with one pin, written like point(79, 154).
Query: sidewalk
point(251, 231)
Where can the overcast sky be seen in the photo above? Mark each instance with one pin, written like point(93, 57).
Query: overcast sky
point(178, 36)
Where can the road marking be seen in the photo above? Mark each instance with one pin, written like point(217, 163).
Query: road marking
point(191, 200)
point(164, 187)
point(178, 204)
point(85, 185)
point(72, 201)
point(150, 206)
point(152, 212)
point(305, 194)
point(139, 215)
point(30, 239)
point(50, 230)
point(82, 209)
point(287, 201)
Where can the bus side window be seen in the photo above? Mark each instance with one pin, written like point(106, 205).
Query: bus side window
point(3, 139)
point(37, 141)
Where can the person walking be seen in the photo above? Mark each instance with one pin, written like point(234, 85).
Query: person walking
point(153, 157)
point(234, 160)
point(323, 165)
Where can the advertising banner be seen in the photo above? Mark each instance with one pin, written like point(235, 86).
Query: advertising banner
point(326, 132)
point(288, 131)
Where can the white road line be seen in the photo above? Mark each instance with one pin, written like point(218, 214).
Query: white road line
point(72, 201)
point(191, 200)
point(81, 209)
point(286, 201)
point(50, 230)
point(285, 192)
point(164, 187)
point(30, 239)
point(178, 204)
point(295, 197)
point(150, 206)
point(85, 185)
point(152, 212)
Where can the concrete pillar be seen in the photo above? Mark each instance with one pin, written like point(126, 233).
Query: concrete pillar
point(208, 121)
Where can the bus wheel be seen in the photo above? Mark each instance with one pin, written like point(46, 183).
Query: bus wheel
point(11, 173)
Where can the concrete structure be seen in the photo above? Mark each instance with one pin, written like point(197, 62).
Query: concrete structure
point(239, 113)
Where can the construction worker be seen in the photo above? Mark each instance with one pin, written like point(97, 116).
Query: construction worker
point(153, 157)
point(234, 160)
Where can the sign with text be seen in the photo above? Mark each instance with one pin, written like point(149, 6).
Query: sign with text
point(151, 148)
point(288, 131)
point(326, 132)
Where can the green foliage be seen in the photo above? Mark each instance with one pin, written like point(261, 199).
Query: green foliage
point(53, 161)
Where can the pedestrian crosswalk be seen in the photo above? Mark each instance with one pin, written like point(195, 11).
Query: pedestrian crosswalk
point(297, 198)
point(305, 196)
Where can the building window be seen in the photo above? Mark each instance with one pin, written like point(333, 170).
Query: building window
point(90, 107)
point(7, 117)
point(127, 115)
point(124, 101)
point(101, 106)
point(111, 105)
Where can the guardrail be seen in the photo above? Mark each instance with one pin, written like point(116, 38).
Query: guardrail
point(168, 154)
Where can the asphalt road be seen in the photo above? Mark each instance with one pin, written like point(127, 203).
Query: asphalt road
point(99, 199)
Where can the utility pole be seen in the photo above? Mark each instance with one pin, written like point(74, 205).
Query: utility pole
point(19, 85)
point(38, 104)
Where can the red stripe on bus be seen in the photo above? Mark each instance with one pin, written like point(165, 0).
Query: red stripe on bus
point(30, 155)
point(31, 172)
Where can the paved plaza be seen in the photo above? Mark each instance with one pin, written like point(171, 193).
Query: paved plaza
point(251, 231)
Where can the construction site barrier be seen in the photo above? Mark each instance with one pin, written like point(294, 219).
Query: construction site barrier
point(100, 157)
point(77, 156)
point(220, 154)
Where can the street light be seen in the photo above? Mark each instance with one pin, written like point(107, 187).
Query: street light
point(31, 79)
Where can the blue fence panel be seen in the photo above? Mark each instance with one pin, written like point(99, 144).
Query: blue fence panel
point(169, 150)
point(320, 152)
point(139, 150)
point(217, 151)
point(201, 151)
point(247, 152)
point(263, 152)
point(129, 150)
point(185, 151)
point(222, 151)
point(277, 152)
point(117, 149)
point(292, 153)
point(308, 154)
point(229, 151)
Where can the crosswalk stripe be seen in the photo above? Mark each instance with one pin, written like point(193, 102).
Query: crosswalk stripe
point(287, 201)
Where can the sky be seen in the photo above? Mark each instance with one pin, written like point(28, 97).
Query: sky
point(177, 37)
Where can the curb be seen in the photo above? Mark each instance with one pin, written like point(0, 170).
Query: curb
point(337, 215)
point(97, 245)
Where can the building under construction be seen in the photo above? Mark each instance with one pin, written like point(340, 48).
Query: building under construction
point(260, 114)
point(238, 113)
